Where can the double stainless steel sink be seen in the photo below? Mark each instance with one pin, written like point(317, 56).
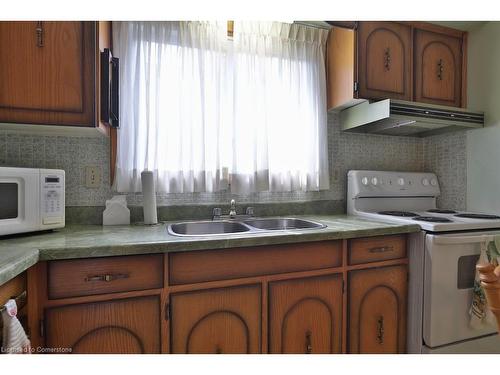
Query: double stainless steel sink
point(252, 225)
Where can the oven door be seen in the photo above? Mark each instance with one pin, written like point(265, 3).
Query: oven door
point(19, 200)
point(449, 272)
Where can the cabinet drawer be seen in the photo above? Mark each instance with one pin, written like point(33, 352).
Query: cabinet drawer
point(84, 277)
point(374, 249)
point(203, 266)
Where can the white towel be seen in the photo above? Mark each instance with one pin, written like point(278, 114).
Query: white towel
point(480, 315)
point(15, 340)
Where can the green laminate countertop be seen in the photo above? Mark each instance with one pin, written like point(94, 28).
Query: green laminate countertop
point(88, 241)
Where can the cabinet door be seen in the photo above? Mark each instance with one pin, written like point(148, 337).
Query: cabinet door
point(384, 60)
point(306, 315)
point(121, 326)
point(224, 320)
point(377, 310)
point(438, 68)
point(47, 72)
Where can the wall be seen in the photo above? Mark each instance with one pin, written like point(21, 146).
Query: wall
point(444, 154)
point(483, 146)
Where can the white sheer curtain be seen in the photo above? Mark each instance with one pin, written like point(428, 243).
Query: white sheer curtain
point(173, 104)
point(200, 110)
point(280, 117)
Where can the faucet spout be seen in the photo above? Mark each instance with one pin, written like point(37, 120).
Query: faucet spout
point(232, 209)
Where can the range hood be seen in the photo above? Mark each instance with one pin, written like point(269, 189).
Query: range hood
point(402, 118)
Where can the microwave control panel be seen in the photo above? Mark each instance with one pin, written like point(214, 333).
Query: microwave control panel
point(52, 198)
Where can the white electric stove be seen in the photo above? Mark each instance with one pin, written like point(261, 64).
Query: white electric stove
point(442, 257)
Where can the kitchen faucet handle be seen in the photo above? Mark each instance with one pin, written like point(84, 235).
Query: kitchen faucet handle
point(216, 213)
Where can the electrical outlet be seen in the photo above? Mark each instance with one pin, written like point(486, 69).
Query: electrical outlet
point(92, 177)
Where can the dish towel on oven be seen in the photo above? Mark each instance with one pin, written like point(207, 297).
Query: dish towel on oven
point(480, 315)
point(14, 337)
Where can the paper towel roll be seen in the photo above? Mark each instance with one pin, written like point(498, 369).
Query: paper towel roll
point(149, 197)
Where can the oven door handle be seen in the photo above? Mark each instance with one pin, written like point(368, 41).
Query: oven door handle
point(457, 240)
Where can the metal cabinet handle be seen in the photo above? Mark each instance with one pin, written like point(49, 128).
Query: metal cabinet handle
point(440, 69)
point(107, 277)
point(380, 330)
point(381, 249)
point(309, 347)
point(39, 34)
point(387, 59)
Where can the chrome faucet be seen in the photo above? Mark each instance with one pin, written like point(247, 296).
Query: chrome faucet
point(232, 209)
point(217, 212)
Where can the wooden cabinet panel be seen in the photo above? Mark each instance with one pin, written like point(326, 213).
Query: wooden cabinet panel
point(377, 310)
point(438, 68)
point(384, 60)
point(83, 277)
point(224, 320)
point(47, 76)
point(305, 315)
point(376, 249)
point(203, 266)
point(121, 326)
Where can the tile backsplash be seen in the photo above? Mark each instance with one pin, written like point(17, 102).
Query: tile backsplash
point(443, 154)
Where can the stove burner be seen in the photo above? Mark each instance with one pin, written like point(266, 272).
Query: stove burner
point(438, 211)
point(433, 219)
point(397, 213)
point(479, 216)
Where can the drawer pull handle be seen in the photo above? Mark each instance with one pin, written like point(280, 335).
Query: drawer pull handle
point(380, 330)
point(309, 347)
point(107, 277)
point(381, 249)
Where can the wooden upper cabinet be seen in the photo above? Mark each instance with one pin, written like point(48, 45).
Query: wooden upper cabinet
point(384, 60)
point(49, 72)
point(128, 326)
point(377, 310)
point(305, 315)
point(438, 68)
point(412, 61)
point(217, 321)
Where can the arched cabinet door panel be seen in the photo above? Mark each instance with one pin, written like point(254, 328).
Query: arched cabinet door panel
point(305, 315)
point(384, 60)
point(438, 68)
point(377, 310)
point(121, 326)
point(217, 321)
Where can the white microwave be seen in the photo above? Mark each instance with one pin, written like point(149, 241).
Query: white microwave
point(31, 200)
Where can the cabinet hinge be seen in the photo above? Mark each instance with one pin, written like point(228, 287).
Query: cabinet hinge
point(167, 311)
point(42, 328)
point(356, 86)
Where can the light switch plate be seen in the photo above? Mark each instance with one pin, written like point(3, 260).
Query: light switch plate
point(92, 176)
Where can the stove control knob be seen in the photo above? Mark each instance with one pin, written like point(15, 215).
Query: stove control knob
point(401, 181)
point(364, 181)
point(434, 182)
point(425, 181)
point(375, 181)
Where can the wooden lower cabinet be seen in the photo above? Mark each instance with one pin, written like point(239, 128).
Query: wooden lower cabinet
point(377, 310)
point(217, 321)
point(305, 315)
point(257, 302)
point(120, 326)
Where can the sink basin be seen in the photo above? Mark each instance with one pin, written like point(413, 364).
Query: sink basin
point(283, 224)
point(202, 228)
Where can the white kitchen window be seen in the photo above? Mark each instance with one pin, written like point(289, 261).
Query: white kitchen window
point(206, 113)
